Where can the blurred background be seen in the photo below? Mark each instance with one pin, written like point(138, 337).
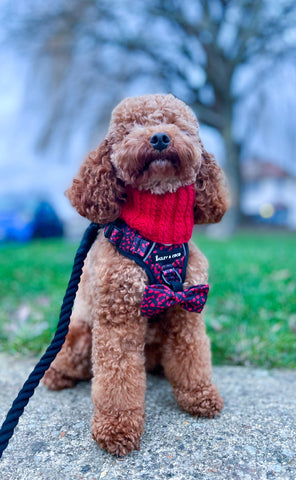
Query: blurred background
point(66, 64)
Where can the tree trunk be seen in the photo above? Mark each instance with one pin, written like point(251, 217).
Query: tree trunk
point(233, 216)
point(232, 170)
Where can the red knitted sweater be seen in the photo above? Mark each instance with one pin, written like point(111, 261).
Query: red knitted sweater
point(166, 218)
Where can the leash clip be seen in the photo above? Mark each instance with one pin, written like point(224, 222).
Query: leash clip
point(172, 278)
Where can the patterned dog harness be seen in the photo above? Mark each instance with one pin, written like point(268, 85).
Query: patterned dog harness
point(165, 266)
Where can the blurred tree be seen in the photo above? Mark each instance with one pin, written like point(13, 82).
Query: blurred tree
point(200, 49)
point(196, 49)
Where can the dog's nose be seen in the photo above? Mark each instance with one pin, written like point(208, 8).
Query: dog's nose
point(160, 141)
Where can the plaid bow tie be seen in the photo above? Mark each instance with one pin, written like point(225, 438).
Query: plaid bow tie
point(158, 298)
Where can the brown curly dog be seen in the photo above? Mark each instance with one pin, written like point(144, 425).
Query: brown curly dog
point(109, 339)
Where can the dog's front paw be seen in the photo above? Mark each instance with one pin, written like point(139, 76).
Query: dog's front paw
point(204, 401)
point(118, 433)
point(56, 380)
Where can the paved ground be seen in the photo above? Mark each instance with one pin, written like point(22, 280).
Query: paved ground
point(254, 438)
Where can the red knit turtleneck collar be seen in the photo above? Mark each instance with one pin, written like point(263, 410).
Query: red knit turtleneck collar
point(166, 218)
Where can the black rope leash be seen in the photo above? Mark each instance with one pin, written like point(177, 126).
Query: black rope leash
point(34, 378)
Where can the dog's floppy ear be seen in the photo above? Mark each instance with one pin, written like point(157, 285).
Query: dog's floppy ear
point(96, 192)
point(211, 198)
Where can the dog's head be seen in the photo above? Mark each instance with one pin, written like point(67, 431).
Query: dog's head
point(155, 143)
point(152, 144)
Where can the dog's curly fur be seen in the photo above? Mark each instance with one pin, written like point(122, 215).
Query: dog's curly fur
point(108, 339)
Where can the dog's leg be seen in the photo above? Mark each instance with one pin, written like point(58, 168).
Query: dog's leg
point(187, 363)
point(73, 362)
point(119, 382)
point(118, 386)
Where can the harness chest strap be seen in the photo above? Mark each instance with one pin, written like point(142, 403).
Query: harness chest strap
point(165, 266)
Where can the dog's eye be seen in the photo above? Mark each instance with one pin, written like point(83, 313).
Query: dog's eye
point(188, 133)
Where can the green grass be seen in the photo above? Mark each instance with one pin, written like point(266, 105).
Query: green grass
point(33, 280)
point(250, 314)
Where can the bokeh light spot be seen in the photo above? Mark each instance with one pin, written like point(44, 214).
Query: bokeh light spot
point(266, 210)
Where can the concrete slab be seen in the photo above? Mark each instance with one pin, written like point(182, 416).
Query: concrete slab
point(253, 438)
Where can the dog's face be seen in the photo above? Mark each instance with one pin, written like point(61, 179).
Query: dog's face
point(155, 143)
point(152, 144)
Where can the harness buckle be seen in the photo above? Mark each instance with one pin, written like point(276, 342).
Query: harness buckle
point(140, 246)
point(114, 234)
